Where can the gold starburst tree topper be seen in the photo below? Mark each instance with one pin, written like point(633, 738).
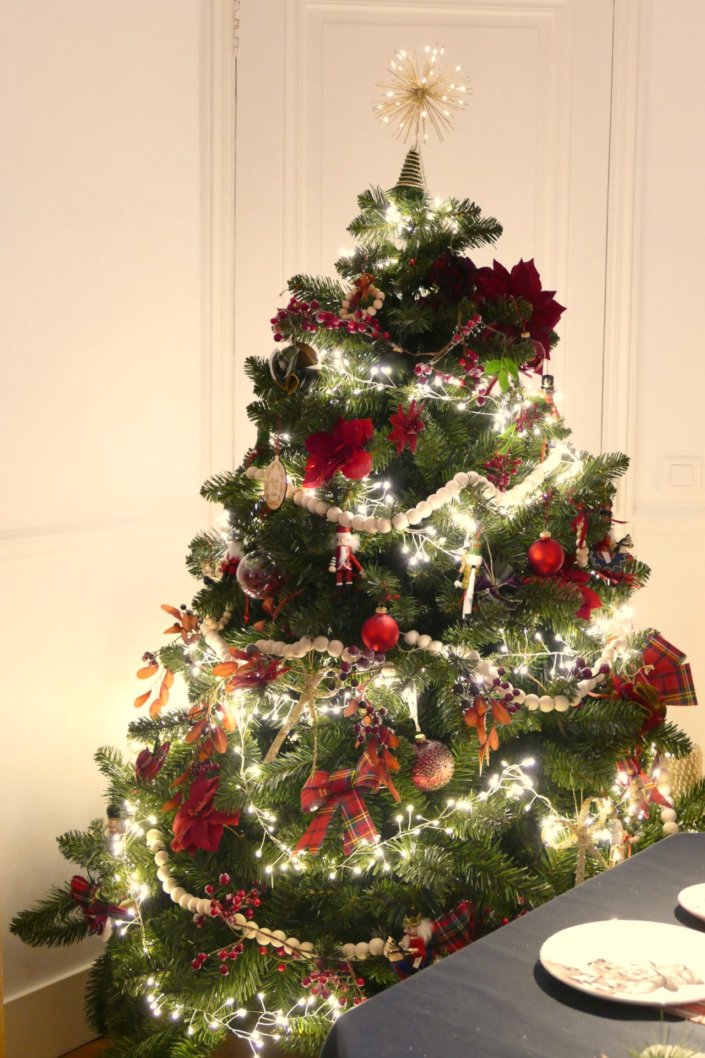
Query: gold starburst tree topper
point(420, 92)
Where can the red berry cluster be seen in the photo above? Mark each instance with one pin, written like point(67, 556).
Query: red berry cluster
point(230, 903)
point(327, 983)
point(371, 725)
point(225, 955)
point(424, 372)
point(228, 567)
point(308, 316)
point(470, 361)
point(467, 329)
point(527, 417)
point(501, 469)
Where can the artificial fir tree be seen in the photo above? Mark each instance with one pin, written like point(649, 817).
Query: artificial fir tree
point(344, 802)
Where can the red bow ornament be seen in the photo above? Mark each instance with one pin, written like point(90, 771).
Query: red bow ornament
point(324, 792)
point(96, 912)
point(663, 679)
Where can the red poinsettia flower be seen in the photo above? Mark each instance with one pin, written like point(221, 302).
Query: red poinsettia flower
point(198, 824)
point(522, 282)
point(339, 449)
point(407, 427)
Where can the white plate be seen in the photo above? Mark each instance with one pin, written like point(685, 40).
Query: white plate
point(693, 900)
point(634, 962)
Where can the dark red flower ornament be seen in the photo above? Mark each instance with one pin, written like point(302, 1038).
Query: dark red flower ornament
point(339, 449)
point(198, 824)
point(407, 427)
point(453, 275)
point(150, 762)
point(522, 282)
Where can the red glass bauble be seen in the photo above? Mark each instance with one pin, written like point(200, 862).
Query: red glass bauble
point(380, 632)
point(258, 575)
point(546, 556)
point(434, 765)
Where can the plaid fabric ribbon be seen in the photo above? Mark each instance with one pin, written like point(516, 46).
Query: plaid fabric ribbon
point(666, 670)
point(453, 930)
point(96, 912)
point(324, 792)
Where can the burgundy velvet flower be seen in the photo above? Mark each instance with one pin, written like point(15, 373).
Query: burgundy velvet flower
point(454, 276)
point(340, 449)
point(407, 427)
point(522, 282)
point(150, 762)
point(198, 824)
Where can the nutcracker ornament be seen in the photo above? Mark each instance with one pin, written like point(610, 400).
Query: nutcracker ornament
point(412, 953)
point(343, 563)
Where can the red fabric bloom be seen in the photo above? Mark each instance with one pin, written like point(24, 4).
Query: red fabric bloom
point(198, 824)
point(340, 449)
point(407, 427)
point(453, 275)
point(571, 574)
point(522, 282)
point(150, 762)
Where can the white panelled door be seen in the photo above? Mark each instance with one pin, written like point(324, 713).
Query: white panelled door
point(531, 149)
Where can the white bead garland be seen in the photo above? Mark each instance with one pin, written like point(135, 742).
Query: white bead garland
point(249, 928)
point(546, 703)
point(505, 501)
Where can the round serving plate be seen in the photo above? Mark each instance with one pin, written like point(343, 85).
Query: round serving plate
point(652, 963)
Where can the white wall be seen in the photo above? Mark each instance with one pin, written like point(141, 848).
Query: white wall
point(669, 368)
point(114, 347)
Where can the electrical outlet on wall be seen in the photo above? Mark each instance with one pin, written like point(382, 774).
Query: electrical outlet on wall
point(681, 476)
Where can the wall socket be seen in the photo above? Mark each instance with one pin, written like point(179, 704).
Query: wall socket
point(680, 475)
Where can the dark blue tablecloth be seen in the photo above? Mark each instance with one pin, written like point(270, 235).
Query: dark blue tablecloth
point(494, 1000)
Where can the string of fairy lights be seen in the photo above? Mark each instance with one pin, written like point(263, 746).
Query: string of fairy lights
point(257, 1024)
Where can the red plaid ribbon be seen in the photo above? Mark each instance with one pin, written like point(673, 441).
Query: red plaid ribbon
point(325, 792)
point(96, 912)
point(453, 930)
point(665, 668)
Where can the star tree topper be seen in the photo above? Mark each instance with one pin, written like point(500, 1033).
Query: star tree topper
point(419, 92)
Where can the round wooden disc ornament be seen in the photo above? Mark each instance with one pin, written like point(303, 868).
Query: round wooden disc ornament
point(275, 484)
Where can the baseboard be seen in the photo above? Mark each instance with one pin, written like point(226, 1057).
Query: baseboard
point(48, 1021)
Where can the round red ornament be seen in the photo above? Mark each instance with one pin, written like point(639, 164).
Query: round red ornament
point(546, 556)
point(380, 632)
point(434, 765)
point(258, 575)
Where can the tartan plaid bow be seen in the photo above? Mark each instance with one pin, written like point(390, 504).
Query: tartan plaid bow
point(662, 680)
point(665, 668)
point(324, 792)
point(455, 929)
point(96, 912)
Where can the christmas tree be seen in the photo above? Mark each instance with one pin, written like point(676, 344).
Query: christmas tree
point(416, 706)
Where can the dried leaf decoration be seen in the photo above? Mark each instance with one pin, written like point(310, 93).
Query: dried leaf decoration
point(185, 623)
point(477, 716)
point(147, 671)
